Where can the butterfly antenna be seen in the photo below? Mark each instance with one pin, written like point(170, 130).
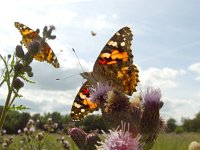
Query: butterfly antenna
point(67, 77)
point(78, 59)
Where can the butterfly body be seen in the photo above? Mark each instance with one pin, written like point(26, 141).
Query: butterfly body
point(114, 65)
point(45, 53)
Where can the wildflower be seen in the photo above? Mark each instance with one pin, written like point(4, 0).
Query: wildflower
point(32, 130)
point(4, 145)
point(17, 83)
point(92, 139)
point(79, 137)
point(55, 125)
point(18, 67)
point(49, 120)
point(98, 93)
point(34, 47)
point(9, 56)
point(19, 131)
point(151, 118)
point(66, 144)
point(30, 74)
point(120, 139)
point(116, 109)
point(51, 28)
point(28, 68)
point(19, 51)
point(194, 145)
point(40, 136)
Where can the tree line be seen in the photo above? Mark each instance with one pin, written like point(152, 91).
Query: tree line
point(187, 125)
point(17, 120)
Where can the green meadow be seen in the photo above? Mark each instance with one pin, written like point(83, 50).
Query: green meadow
point(174, 141)
point(165, 141)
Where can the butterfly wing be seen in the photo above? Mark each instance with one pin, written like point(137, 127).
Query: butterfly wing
point(45, 53)
point(115, 62)
point(82, 105)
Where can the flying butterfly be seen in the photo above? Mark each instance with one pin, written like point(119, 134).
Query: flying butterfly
point(114, 64)
point(45, 53)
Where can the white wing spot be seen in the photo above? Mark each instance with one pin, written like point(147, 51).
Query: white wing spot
point(82, 110)
point(76, 105)
point(110, 42)
point(122, 43)
point(114, 44)
point(118, 34)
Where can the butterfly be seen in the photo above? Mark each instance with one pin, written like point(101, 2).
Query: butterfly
point(45, 53)
point(114, 64)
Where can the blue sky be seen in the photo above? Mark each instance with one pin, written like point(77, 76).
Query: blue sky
point(166, 47)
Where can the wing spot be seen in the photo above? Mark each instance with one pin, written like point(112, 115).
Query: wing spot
point(122, 43)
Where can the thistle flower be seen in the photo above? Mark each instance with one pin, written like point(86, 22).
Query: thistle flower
point(98, 93)
point(92, 139)
point(34, 47)
point(151, 118)
point(18, 67)
point(117, 108)
point(17, 83)
point(120, 139)
point(194, 145)
point(66, 145)
point(151, 123)
point(19, 51)
point(40, 136)
point(79, 137)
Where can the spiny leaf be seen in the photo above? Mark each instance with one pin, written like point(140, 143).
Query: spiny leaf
point(26, 79)
point(20, 107)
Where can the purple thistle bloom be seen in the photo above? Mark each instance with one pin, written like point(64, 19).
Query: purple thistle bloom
point(119, 140)
point(34, 47)
point(152, 98)
point(78, 136)
point(151, 118)
point(98, 93)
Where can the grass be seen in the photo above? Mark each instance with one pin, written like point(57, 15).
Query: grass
point(164, 142)
point(175, 141)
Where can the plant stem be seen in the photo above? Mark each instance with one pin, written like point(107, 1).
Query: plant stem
point(5, 109)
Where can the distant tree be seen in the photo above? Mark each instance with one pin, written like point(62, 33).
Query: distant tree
point(57, 118)
point(171, 125)
point(179, 129)
point(94, 122)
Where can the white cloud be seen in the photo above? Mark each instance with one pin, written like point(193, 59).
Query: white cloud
point(195, 68)
point(162, 78)
point(100, 22)
point(178, 108)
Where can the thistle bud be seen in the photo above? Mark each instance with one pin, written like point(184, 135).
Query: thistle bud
point(151, 118)
point(9, 56)
point(17, 83)
point(19, 51)
point(30, 74)
point(92, 140)
point(28, 68)
point(18, 67)
point(34, 47)
point(52, 37)
point(79, 137)
point(28, 58)
point(38, 31)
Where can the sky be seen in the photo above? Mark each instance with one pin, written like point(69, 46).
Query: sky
point(166, 42)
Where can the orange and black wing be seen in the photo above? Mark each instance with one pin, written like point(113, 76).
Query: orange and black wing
point(115, 62)
point(82, 105)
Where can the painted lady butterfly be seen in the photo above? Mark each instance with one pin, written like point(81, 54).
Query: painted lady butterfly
point(45, 53)
point(114, 64)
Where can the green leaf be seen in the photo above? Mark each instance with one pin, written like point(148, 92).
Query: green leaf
point(20, 107)
point(26, 79)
